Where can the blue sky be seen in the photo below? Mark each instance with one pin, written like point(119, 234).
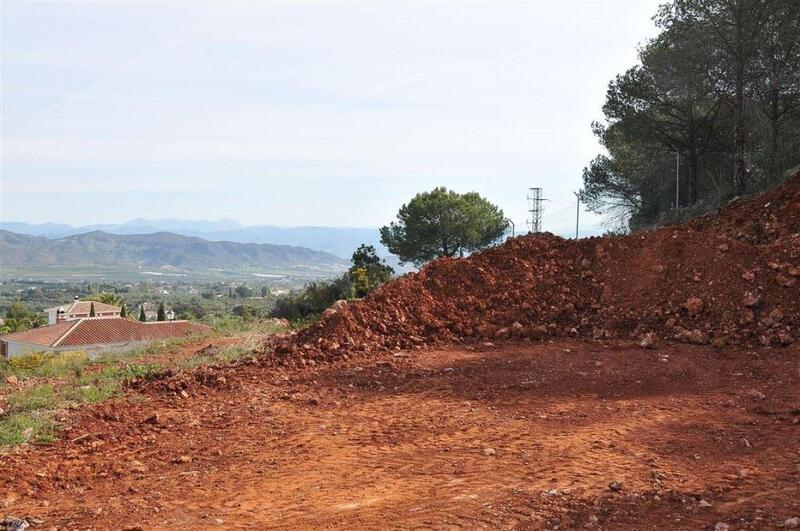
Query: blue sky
point(299, 113)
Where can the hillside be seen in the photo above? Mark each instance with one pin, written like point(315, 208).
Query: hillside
point(341, 241)
point(155, 250)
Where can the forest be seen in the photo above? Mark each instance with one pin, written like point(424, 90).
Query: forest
point(710, 112)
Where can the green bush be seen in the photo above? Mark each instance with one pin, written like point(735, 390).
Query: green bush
point(367, 273)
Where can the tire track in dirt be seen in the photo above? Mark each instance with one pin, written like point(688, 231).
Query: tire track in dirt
point(523, 436)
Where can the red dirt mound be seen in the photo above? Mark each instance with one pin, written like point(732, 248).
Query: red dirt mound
point(761, 219)
point(730, 278)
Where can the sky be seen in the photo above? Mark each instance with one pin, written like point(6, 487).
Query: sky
point(300, 113)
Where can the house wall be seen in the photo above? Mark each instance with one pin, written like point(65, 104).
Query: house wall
point(52, 317)
point(15, 349)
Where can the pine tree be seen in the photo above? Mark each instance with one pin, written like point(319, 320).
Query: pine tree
point(142, 316)
point(91, 311)
point(162, 314)
point(123, 311)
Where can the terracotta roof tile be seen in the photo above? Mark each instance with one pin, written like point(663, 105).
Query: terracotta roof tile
point(44, 335)
point(93, 331)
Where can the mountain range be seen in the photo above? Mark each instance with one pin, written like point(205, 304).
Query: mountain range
point(157, 250)
point(335, 240)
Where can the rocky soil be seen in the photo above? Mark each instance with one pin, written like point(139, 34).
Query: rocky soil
point(732, 278)
point(566, 434)
point(643, 382)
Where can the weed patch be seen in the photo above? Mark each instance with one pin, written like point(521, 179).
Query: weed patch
point(27, 427)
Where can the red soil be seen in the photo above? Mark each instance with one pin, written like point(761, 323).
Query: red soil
point(723, 279)
point(526, 436)
point(592, 432)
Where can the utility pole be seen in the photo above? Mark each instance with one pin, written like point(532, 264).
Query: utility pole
point(677, 179)
point(577, 213)
point(513, 227)
point(535, 208)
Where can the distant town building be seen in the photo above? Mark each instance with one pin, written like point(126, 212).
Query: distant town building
point(93, 335)
point(79, 309)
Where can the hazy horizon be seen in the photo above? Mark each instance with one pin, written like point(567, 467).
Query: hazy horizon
point(302, 114)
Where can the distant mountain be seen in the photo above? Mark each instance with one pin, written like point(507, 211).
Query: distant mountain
point(155, 250)
point(339, 241)
point(50, 230)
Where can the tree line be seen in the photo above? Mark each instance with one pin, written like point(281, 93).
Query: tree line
point(367, 272)
point(715, 98)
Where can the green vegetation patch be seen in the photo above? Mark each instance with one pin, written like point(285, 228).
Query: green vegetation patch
point(74, 379)
point(18, 428)
point(224, 355)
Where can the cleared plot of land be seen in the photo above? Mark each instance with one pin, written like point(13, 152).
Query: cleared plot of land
point(518, 435)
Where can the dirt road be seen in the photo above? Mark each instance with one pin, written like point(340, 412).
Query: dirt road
point(529, 435)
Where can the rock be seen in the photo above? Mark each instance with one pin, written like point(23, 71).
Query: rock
point(12, 380)
point(487, 330)
point(748, 275)
point(502, 333)
point(12, 523)
point(329, 312)
point(132, 528)
point(719, 342)
point(751, 300)
point(785, 339)
point(615, 486)
point(182, 459)
point(792, 522)
point(650, 340)
point(154, 419)
point(722, 526)
point(698, 337)
point(139, 467)
point(538, 331)
point(704, 504)
point(488, 452)
point(694, 305)
point(784, 281)
point(755, 394)
point(340, 304)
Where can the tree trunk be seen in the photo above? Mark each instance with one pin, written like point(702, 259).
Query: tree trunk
point(774, 119)
point(693, 159)
point(739, 164)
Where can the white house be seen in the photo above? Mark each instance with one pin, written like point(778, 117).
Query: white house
point(79, 309)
